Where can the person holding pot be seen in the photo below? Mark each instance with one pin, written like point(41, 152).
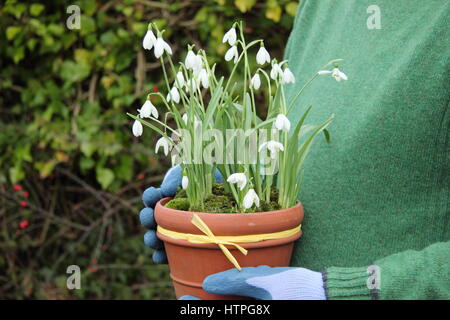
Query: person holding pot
point(377, 199)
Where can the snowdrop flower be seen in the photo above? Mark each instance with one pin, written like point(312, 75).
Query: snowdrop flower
point(232, 53)
point(282, 123)
point(336, 73)
point(137, 128)
point(256, 82)
point(180, 80)
point(203, 76)
point(239, 178)
point(147, 110)
point(273, 146)
point(164, 143)
point(149, 40)
point(184, 182)
point(288, 76)
point(262, 56)
point(250, 198)
point(160, 47)
point(276, 72)
point(191, 84)
point(173, 95)
point(230, 36)
point(193, 61)
point(185, 118)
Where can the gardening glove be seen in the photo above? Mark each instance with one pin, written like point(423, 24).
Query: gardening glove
point(266, 283)
point(169, 187)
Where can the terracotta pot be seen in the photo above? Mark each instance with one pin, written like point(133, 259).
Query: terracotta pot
point(190, 263)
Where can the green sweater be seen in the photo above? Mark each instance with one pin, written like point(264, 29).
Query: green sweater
point(379, 193)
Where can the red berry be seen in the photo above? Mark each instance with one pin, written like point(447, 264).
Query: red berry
point(23, 203)
point(23, 224)
point(155, 88)
point(17, 187)
point(26, 194)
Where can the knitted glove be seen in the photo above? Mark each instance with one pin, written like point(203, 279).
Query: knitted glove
point(266, 283)
point(169, 186)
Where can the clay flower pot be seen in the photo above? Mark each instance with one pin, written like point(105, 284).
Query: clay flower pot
point(190, 263)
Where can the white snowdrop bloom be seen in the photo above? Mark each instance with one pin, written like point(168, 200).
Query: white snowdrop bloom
point(232, 53)
point(256, 81)
point(276, 72)
point(282, 123)
point(149, 40)
point(239, 178)
point(250, 198)
point(191, 85)
point(137, 128)
point(193, 62)
point(180, 80)
point(335, 73)
point(173, 95)
point(203, 77)
point(160, 47)
point(288, 76)
point(164, 143)
point(147, 110)
point(184, 182)
point(230, 36)
point(262, 56)
point(273, 146)
point(185, 118)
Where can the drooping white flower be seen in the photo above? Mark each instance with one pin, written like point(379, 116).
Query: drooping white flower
point(184, 182)
point(335, 73)
point(164, 143)
point(250, 198)
point(147, 110)
point(288, 76)
point(173, 95)
point(256, 81)
point(191, 85)
point(203, 77)
point(160, 47)
point(185, 118)
point(276, 72)
point(149, 40)
point(282, 123)
point(262, 56)
point(230, 36)
point(180, 80)
point(239, 178)
point(273, 146)
point(232, 53)
point(193, 62)
point(137, 128)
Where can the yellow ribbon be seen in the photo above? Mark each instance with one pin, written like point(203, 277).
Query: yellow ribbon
point(221, 241)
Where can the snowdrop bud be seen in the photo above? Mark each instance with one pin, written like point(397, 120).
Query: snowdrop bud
point(276, 72)
point(282, 123)
point(149, 40)
point(173, 95)
point(180, 80)
point(184, 182)
point(230, 36)
point(185, 118)
point(256, 82)
point(288, 76)
point(262, 56)
point(203, 76)
point(164, 143)
point(137, 128)
point(147, 110)
point(250, 198)
point(160, 47)
point(232, 53)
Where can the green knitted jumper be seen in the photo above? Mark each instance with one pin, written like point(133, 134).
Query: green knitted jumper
point(379, 193)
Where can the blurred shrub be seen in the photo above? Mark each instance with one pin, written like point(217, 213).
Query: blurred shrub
point(66, 139)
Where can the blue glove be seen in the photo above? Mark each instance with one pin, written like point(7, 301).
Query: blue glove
point(266, 283)
point(169, 187)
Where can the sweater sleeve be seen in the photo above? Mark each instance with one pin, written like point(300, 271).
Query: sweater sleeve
point(409, 274)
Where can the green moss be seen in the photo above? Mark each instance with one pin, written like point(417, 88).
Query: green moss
point(178, 204)
point(181, 193)
point(217, 204)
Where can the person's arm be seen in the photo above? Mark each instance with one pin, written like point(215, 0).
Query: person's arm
point(409, 274)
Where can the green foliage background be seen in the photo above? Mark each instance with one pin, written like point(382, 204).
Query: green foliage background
point(65, 138)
